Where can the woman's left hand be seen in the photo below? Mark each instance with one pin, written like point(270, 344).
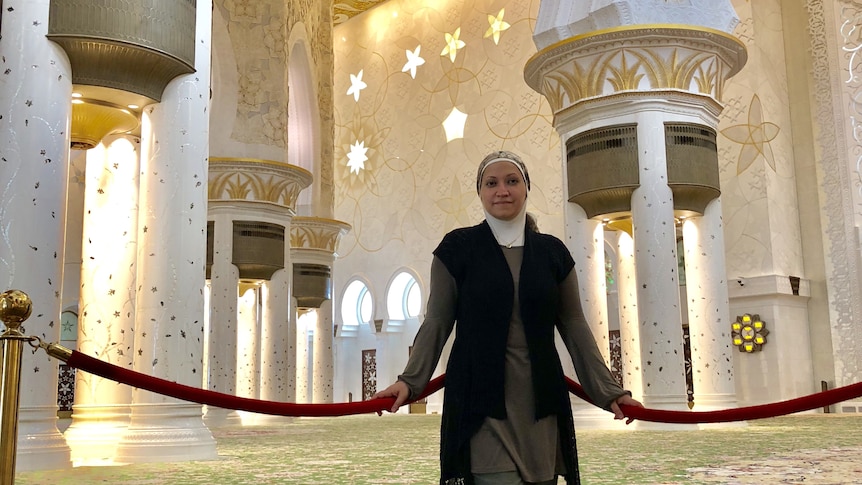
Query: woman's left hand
point(625, 400)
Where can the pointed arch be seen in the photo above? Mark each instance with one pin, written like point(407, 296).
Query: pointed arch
point(303, 121)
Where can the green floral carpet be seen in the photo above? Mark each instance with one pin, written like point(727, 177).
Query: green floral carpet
point(402, 449)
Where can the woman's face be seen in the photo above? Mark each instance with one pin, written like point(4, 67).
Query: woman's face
point(503, 191)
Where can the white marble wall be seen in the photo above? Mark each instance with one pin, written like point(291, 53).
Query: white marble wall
point(757, 174)
point(843, 246)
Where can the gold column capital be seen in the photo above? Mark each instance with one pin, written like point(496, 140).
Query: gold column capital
point(238, 178)
point(317, 233)
point(635, 58)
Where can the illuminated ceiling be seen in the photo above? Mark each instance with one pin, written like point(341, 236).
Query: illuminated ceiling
point(344, 10)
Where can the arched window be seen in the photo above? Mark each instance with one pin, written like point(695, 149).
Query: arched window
point(404, 299)
point(357, 305)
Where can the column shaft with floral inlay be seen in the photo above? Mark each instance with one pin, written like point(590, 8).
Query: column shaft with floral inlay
point(172, 224)
point(712, 355)
point(34, 157)
point(628, 309)
point(304, 316)
point(587, 249)
point(106, 314)
point(222, 335)
point(276, 327)
point(659, 320)
point(248, 342)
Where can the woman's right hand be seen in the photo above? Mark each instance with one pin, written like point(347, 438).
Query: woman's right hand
point(398, 390)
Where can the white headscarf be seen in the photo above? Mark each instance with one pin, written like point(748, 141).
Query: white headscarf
point(508, 233)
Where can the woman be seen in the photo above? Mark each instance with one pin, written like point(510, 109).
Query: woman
point(506, 412)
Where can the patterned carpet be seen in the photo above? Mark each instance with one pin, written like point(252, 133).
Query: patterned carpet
point(401, 449)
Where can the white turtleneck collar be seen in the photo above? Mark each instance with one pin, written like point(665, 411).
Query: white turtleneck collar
point(509, 233)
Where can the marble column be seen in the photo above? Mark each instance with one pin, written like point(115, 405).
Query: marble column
point(585, 241)
point(709, 311)
point(248, 345)
point(274, 339)
point(305, 318)
point(35, 93)
point(171, 265)
point(659, 319)
point(290, 368)
point(628, 310)
point(323, 367)
point(222, 335)
point(106, 314)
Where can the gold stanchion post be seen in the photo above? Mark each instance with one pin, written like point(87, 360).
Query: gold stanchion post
point(15, 307)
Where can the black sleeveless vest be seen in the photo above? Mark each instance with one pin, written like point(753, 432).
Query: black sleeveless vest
point(475, 371)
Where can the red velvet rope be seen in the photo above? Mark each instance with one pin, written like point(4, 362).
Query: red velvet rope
point(110, 371)
point(212, 398)
point(781, 408)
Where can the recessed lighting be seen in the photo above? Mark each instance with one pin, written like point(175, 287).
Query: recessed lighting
point(77, 95)
point(77, 101)
point(133, 106)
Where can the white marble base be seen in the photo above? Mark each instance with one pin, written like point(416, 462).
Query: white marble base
point(95, 432)
point(40, 444)
point(166, 433)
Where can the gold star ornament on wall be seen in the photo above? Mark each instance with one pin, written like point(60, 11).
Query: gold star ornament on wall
point(453, 125)
point(497, 25)
point(356, 158)
point(413, 61)
point(453, 43)
point(754, 137)
point(356, 85)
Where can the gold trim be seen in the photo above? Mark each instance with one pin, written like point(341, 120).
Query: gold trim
point(93, 119)
point(579, 67)
point(317, 233)
point(256, 180)
point(624, 224)
point(709, 103)
point(635, 28)
point(261, 161)
point(304, 219)
point(59, 352)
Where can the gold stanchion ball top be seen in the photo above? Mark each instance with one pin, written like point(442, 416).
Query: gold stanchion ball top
point(15, 307)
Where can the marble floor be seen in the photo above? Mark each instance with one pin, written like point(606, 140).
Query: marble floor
point(822, 449)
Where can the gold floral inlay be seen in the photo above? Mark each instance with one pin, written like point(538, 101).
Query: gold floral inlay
point(257, 180)
point(754, 137)
point(644, 59)
point(316, 233)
